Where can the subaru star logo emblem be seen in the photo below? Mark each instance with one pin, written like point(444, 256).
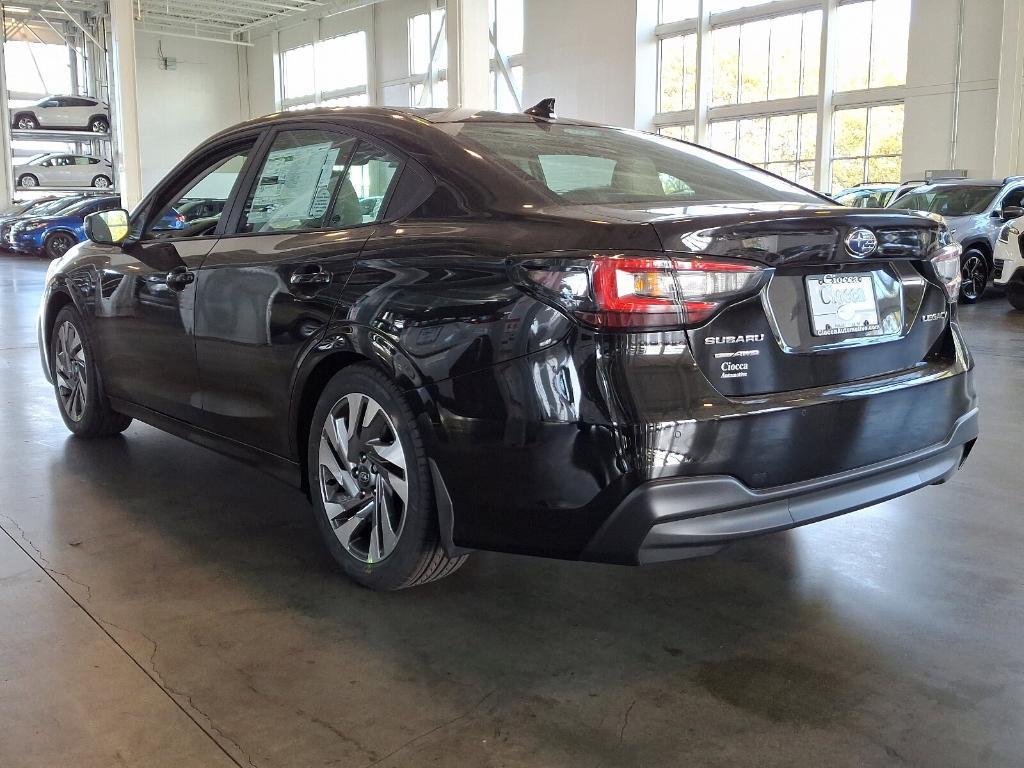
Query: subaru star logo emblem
point(861, 243)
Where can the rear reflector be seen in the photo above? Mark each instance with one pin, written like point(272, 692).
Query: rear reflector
point(620, 291)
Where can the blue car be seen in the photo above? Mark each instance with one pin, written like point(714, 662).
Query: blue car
point(52, 236)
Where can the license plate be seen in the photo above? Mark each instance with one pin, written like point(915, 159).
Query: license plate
point(842, 304)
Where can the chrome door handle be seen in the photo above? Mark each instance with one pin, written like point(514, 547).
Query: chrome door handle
point(316, 275)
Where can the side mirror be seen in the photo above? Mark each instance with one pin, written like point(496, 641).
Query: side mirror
point(1012, 212)
point(107, 227)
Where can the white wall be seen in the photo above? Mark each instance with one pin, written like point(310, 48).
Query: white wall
point(179, 108)
point(931, 75)
point(584, 55)
point(1009, 158)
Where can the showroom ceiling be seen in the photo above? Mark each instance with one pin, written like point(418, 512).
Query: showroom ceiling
point(208, 19)
point(215, 18)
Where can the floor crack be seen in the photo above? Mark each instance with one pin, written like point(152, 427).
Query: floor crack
point(625, 719)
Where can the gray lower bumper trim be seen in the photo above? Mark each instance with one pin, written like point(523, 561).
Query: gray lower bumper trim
point(692, 516)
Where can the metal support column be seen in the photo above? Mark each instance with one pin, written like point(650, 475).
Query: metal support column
point(125, 104)
point(6, 163)
point(469, 55)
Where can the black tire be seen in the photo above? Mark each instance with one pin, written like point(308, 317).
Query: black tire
point(1015, 295)
point(417, 556)
point(99, 125)
point(33, 182)
point(101, 181)
point(57, 244)
point(974, 273)
point(96, 418)
point(26, 122)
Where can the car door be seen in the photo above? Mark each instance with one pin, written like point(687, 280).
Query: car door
point(62, 171)
point(146, 313)
point(48, 113)
point(269, 287)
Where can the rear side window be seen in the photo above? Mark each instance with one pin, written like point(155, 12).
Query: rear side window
point(360, 199)
point(312, 179)
point(593, 164)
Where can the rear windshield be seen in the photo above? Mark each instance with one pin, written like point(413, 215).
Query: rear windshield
point(582, 164)
point(949, 201)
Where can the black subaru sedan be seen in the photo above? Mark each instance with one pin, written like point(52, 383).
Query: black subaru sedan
point(459, 331)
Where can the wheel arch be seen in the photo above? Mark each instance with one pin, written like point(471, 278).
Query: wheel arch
point(982, 245)
point(306, 395)
point(98, 115)
point(59, 298)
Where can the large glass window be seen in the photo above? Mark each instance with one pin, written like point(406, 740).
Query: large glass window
point(867, 145)
point(330, 72)
point(782, 144)
point(298, 66)
point(774, 58)
point(872, 45)
point(678, 73)
point(507, 23)
point(428, 60)
point(764, 56)
point(39, 68)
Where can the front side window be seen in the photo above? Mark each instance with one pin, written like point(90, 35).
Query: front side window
point(583, 164)
point(214, 183)
point(867, 145)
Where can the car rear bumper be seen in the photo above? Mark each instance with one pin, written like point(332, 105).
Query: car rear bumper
point(689, 517)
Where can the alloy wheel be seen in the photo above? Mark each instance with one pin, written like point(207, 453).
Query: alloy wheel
point(100, 126)
point(58, 245)
point(26, 123)
point(363, 477)
point(28, 181)
point(974, 276)
point(70, 369)
point(101, 182)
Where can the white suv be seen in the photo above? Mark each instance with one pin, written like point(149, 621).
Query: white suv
point(68, 112)
point(57, 169)
point(1009, 263)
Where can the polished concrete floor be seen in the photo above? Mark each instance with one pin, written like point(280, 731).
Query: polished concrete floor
point(163, 606)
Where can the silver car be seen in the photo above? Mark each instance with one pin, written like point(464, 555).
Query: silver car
point(975, 211)
point(59, 169)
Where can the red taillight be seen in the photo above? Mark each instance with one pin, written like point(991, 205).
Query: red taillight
point(618, 291)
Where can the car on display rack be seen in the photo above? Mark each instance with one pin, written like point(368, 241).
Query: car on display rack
point(866, 195)
point(1009, 263)
point(63, 112)
point(550, 337)
point(975, 211)
point(53, 234)
point(60, 169)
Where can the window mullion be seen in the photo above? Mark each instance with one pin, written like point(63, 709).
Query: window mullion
point(826, 95)
point(702, 95)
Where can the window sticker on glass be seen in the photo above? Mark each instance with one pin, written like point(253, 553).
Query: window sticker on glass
point(295, 185)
